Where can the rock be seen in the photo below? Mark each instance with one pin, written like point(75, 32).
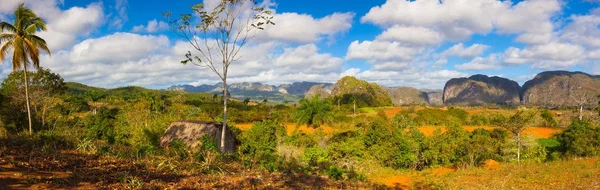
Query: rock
point(407, 96)
point(481, 89)
point(190, 132)
point(562, 88)
point(321, 90)
point(366, 94)
point(435, 96)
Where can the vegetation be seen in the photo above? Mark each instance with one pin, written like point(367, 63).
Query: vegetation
point(229, 25)
point(21, 39)
point(111, 138)
point(314, 112)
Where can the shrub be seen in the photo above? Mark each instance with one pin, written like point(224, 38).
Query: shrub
point(260, 142)
point(580, 139)
point(548, 119)
point(316, 156)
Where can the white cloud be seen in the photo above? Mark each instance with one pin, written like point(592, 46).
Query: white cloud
point(303, 28)
point(584, 29)
point(151, 27)
point(459, 19)
point(118, 47)
point(120, 17)
point(412, 35)
point(469, 52)
point(305, 58)
point(547, 56)
point(64, 28)
point(480, 63)
point(381, 51)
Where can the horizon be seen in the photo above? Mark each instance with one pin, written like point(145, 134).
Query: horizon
point(420, 44)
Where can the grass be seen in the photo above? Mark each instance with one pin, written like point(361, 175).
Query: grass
point(571, 174)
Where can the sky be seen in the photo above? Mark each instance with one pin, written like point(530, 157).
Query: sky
point(417, 43)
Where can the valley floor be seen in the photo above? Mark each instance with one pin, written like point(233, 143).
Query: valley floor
point(34, 169)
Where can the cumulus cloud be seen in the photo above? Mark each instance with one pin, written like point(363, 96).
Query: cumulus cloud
point(584, 29)
point(303, 28)
point(469, 52)
point(152, 26)
point(306, 58)
point(480, 63)
point(552, 55)
point(412, 35)
point(459, 19)
point(381, 51)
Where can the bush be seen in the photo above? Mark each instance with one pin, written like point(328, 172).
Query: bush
point(580, 139)
point(316, 156)
point(260, 142)
point(547, 119)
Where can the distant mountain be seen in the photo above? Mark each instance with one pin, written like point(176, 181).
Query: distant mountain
point(351, 89)
point(257, 91)
point(481, 89)
point(435, 96)
point(407, 96)
point(562, 88)
point(323, 91)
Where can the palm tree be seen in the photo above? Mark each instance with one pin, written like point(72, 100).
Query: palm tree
point(25, 45)
point(313, 112)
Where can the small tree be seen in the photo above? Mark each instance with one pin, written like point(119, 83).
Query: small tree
point(247, 101)
point(516, 124)
point(219, 37)
point(314, 112)
point(94, 96)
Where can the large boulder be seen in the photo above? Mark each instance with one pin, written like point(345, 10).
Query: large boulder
point(190, 132)
point(562, 88)
point(365, 94)
point(321, 90)
point(481, 89)
point(407, 96)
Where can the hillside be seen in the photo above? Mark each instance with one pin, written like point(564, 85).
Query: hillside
point(481, 89)
point(562, 88)
point(407, 96)
point(256, 91)
point(351, 89)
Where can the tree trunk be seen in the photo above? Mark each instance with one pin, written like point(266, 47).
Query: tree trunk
point(518, 148)
point(27, 99)
point(224, 115)
point(354, 107)
point(581, 112)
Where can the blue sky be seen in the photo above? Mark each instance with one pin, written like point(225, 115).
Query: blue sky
point(420, 43)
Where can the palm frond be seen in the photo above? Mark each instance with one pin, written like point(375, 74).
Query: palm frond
point(40, 43)
point(4, 50)
point(33, 52)
point(6, 37)
point(7, 27)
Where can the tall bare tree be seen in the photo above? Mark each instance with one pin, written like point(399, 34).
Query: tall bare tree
point(218, 35)
point(25, 45)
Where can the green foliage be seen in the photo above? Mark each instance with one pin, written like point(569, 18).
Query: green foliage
point(580, 139)
point(102, 125)
point(314, 112)
point(548, 119)
point(260, 142)
point(350, 90)
point(439, 117)
point(45, 89)
point(403, 121)
point(316, 156)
